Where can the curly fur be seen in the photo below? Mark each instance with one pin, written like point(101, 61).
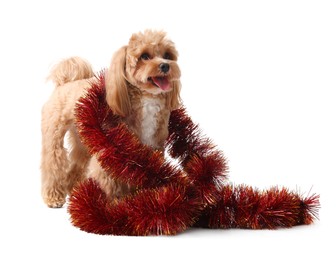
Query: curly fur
point(142, 86)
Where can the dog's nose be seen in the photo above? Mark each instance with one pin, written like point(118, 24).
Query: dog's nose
point(164, 67)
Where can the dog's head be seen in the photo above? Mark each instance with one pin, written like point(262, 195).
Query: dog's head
point(148, 62)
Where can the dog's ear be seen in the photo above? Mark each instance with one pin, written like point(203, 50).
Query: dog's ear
point(117, 96)
point(173, 97)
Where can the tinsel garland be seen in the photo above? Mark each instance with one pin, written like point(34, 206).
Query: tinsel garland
point(169, 198)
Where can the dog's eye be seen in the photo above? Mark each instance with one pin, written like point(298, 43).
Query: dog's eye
point(167, 56)
point(145, 56)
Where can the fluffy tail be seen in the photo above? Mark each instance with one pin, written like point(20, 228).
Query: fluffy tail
point(70, 69)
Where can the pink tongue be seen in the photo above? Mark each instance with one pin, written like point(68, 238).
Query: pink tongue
point(161, 82)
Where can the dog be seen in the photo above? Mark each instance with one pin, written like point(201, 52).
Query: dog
point(142, 87)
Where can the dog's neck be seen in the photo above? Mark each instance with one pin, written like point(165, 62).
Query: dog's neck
point(149, 117)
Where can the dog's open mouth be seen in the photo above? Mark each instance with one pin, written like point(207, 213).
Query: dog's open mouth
point(160, 82)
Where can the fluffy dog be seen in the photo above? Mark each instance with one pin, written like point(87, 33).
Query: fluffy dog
point(142, 87)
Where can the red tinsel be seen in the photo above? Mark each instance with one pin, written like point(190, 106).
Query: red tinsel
point(244, 207)
point(170, 199)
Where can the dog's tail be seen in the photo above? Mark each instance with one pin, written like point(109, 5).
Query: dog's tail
point(71, 69)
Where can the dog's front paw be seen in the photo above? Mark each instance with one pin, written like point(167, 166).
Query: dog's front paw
point(54, 199)
point(55, 202)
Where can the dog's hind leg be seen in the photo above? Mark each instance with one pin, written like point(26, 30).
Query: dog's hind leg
point(54, 158)
point(79, 158)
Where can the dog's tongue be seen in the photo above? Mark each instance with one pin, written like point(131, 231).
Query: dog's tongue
point(161, 82)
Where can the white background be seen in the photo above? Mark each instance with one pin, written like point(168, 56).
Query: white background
point(258, 76)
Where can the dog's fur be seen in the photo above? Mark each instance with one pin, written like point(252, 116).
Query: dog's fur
point(142, 86)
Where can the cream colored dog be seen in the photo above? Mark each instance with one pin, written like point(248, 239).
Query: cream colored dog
point(142, 86)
